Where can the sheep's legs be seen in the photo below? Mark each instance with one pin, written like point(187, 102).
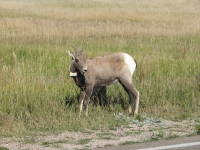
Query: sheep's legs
point(88, 93)
point(131, 103)
point(130, 89)
point(136, 102)
point(81, 99)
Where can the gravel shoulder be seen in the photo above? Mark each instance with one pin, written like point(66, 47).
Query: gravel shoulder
point(134, 132)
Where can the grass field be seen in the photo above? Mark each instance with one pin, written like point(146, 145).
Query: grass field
point(36, 92)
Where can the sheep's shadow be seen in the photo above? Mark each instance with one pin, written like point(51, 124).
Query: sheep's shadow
point(98, 97)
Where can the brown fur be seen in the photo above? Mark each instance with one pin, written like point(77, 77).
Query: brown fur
point(102, 71)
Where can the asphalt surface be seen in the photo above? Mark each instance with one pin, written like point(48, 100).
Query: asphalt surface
point(185, 143)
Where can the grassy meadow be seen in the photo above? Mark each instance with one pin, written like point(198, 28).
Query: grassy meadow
point(37, 94)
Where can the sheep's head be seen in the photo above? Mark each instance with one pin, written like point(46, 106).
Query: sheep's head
point(79, 60)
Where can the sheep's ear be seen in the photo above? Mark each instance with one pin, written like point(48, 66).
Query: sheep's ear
point(70, 54)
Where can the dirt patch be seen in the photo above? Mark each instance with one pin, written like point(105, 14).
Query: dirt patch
point(135, 131)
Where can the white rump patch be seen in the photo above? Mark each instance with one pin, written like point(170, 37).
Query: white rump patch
point(130, 62)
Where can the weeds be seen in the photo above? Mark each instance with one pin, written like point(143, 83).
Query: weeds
point(198, 129)
point(54, 143)
point(84, 141)
point(106, 136)
point(157, 136)
point(129, 143)
point(172, 136)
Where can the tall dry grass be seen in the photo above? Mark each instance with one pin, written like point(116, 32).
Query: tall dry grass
point(99, 19)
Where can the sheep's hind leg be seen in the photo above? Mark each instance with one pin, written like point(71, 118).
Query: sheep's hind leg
point(133, 94)
point(131, 103)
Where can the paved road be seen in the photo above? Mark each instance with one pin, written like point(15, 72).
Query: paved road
point(186, 143)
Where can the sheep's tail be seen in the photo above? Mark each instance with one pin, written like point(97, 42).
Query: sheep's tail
point(136, 63)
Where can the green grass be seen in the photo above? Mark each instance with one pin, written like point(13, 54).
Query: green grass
point(106, 135)
point(129, 143)
point(36, 86)
point(54, 143)
point(84, 141)
point(198, 129)
point(37, 94)
point(3, 148)
point(157, 136)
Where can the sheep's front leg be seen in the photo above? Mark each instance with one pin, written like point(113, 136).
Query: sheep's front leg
point(88, 93)
point(81, 99)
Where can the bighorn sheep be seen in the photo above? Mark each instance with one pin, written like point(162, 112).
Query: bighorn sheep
point(102, 71)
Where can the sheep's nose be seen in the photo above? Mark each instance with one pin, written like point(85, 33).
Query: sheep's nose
point(85, 69)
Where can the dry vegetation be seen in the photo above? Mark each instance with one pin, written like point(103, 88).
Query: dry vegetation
point(162, 35)
point(99, 19)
